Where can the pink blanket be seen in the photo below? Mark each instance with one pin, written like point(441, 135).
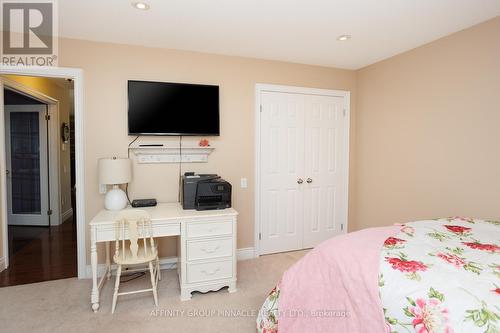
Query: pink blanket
point(334, 287)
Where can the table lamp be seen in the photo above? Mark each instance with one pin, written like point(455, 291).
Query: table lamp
point(115, 171)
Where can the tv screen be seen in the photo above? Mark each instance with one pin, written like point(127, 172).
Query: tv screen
point(164, 108)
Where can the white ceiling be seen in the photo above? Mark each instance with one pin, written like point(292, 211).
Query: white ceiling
point(302, 31)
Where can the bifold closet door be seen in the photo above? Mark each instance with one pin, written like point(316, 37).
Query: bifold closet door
point(323, 189)
point(281, 169)
point(302, 190)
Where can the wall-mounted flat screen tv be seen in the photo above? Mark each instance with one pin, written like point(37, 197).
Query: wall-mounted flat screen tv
point(165, 108)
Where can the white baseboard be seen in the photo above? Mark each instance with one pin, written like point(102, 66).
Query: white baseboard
point(165, 263)
point(66, 215)
point(245, 253)
point(2, 264)
point(171, 262)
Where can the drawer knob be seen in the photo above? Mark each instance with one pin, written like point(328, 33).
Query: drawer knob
point(210, 251)
point(211, 272)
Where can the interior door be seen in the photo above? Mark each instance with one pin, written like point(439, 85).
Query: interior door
point(27, 165)
point(324, 184)
point(282, 151)
point(302, 189)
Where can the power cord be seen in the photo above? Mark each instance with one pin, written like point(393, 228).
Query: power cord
point(180, 167)
point(130, 277)
point(128, 156)
point(128, 152)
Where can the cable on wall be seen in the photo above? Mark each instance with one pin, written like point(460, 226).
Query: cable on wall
point(128, 156)
point(180, 167)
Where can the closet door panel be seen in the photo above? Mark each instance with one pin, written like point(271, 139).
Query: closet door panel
point(282, 164)
point(323, 140)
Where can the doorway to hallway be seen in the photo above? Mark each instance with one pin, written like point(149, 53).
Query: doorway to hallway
point(42, 238)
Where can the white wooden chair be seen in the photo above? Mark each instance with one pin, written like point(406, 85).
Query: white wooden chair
point(135, 246)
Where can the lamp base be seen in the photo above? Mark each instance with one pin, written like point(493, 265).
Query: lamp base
point(115, 199)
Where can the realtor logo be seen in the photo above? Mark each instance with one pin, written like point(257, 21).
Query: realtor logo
point(28, 33)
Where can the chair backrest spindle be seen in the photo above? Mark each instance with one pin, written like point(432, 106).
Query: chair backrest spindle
point(123, 237)
point(144, 235)
point(134, 224)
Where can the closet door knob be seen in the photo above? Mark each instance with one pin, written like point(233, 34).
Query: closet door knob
point(300, 181)
point(309, 180)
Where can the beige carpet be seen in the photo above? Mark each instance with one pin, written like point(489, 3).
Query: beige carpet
point(64, 305)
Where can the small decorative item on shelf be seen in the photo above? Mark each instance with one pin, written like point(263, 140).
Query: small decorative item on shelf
point(204, 143)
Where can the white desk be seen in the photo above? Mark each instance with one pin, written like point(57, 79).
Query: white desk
point(206, 247)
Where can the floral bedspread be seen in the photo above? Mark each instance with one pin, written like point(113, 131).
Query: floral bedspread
point(267, 320)
point(435, 276)
point(442, 276)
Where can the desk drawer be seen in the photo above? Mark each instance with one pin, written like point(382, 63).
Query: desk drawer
point(168, 229)
point(209, 271)
point(205, 229)
point(207, 249)
point(107, 232)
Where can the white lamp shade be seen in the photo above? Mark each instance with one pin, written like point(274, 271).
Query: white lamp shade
point(115, 170)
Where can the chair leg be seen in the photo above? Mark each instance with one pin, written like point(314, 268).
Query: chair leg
point(117, 285)
point(153, 283)
point(158, 268)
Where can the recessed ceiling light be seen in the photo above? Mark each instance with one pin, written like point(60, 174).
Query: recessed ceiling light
point(140, 5)
point(343, 38)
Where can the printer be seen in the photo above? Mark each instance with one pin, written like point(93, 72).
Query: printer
point(204, 192)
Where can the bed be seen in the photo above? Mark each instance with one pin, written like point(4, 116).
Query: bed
point(428, 276)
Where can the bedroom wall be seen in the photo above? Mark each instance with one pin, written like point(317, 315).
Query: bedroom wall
point(427, 138)
point(107, 67)
point(424, 138)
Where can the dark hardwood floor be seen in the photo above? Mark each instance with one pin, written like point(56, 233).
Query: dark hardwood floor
point(39, 254)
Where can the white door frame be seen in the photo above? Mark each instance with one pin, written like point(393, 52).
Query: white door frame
point(53, 72)
point(259, 88)
point(54, 156)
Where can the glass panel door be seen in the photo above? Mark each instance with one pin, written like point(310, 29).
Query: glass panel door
point(25, 162)
point(27, 181)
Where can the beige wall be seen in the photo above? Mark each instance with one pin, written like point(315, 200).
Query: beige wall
point(427, 131)
point(107, 67)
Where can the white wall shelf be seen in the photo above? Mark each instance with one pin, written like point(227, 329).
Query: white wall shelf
point(151, 153)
